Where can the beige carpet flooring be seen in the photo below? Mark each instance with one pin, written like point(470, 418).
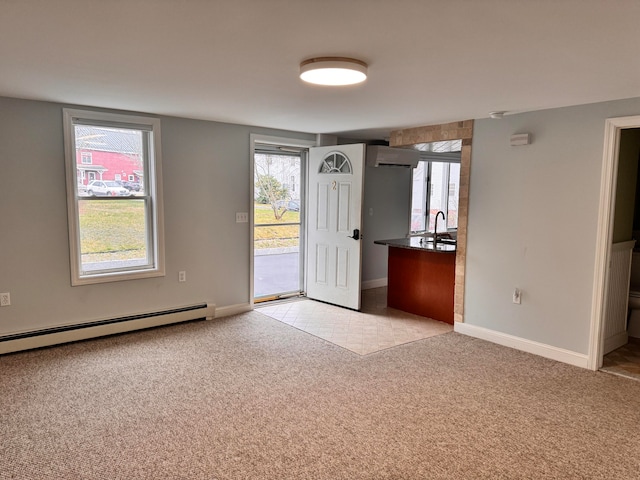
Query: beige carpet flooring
point(249, 397)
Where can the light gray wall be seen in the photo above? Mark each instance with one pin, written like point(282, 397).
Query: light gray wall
point(387, 201)
point(533, 214)
point(532, 221)
point(206, 180)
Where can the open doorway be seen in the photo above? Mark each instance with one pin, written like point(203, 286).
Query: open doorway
point(615, 238)
point(278, 211)
point(277, 217)
point(621, 347)
point(436, 133)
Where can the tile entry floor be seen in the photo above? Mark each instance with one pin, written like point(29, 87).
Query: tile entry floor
point(375, 328)
point(625, 361)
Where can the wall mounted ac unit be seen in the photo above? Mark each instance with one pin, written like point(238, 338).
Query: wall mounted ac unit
point(383, 156)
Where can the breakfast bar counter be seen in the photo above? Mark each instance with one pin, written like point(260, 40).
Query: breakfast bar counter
point(421, 276)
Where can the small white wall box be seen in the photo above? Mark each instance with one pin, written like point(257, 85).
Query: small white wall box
point(520, 139)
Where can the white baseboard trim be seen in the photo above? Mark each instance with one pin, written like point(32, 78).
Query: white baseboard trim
point(232, 310)
point(529, 346)
point(375, 283)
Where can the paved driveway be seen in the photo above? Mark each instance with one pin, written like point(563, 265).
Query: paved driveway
point(276, 273)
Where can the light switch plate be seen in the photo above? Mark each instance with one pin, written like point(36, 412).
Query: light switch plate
point(5, 299)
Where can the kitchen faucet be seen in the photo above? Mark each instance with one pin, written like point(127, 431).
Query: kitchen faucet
point(435, 226)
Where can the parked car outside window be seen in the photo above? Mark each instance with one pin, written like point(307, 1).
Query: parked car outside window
point(109, 188)
point(131, 186)
point(291, 205)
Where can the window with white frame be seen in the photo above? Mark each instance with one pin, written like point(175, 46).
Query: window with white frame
point(435, 188)
point(115, 233)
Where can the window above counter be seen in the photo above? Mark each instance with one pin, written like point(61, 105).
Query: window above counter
point(436, 187)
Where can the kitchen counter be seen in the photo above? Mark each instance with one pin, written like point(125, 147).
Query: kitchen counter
point(420, 243)
point(421, 277)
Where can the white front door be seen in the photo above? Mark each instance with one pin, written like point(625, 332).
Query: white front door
point(334, 224)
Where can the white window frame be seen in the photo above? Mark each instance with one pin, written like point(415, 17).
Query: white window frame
point(153, 196)
point(427, 193)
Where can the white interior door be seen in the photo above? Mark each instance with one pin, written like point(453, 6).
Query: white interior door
point(334, 224)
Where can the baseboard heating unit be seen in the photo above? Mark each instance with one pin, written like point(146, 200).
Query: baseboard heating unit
point(99, 328)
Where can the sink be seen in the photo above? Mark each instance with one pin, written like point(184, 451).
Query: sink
point(449, 241)
point(444, 245)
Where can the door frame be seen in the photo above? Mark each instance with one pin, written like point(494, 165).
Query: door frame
point(604, 236)
point(270, 140)
point(462, 130)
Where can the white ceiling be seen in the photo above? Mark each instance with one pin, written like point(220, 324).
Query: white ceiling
point(430, 61)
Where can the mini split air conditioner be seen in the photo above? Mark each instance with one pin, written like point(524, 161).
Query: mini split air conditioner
point(383, 156)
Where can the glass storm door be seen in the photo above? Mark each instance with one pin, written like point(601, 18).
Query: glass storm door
point(278, 210)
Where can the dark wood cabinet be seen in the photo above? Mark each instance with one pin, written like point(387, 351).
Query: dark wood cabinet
point(422, 282)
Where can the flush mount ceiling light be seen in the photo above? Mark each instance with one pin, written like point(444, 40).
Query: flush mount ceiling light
point(333, 71)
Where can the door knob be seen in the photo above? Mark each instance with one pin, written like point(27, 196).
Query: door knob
point(356, 234)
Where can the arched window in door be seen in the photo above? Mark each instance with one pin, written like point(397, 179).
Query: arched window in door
point(335, 162)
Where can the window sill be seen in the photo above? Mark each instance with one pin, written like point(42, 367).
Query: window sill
point(115, 277)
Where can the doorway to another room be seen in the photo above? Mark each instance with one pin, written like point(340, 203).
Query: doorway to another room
point(621, 336)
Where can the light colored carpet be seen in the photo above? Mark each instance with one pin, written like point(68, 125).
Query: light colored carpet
point(248, 397)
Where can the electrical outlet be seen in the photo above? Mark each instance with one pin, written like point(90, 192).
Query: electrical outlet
point(182, 276)
point(242, 217)
point(517, 296)
point(5, 299)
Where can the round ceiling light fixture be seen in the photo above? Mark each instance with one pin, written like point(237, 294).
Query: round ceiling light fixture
point(333, 71)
